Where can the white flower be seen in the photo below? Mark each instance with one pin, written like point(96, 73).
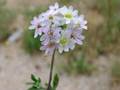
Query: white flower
point(36, 24)
point(50, 36)
point(68, 13)
point(77, 37)
point(80, 22)
point(66, 43)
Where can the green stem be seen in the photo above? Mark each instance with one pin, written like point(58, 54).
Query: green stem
point(51, 71)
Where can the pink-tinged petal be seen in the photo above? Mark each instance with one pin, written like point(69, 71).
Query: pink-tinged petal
point(49, 48)
point(81, 37)
point(45, 42)
point(79, 42)
point(47, 51)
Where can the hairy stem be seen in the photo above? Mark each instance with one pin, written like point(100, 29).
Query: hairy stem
point(51, 71)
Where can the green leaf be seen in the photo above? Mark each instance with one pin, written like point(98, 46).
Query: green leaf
point(33, 77)
point(55, 81)
point(36, 84)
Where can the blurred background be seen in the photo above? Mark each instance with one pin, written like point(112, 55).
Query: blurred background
point(93, 66)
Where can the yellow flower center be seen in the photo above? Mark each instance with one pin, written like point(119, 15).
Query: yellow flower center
point(51, 17)
point(63, 41)
point(68, 15)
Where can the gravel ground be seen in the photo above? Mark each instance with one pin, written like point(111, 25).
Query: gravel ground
point(16, 67)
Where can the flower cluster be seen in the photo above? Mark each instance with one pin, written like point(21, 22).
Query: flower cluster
point(59, 28)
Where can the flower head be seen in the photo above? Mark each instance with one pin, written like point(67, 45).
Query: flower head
point(59, 28)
